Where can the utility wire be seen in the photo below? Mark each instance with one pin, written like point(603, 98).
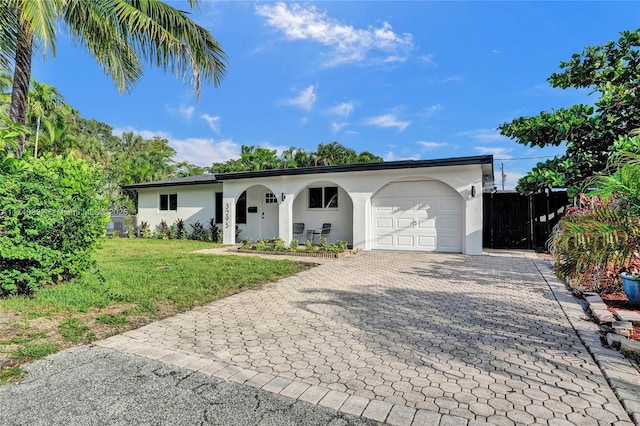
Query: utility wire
point(522, 158)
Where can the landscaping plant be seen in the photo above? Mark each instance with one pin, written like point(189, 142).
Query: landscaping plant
point(600, 237)
point(52, 220)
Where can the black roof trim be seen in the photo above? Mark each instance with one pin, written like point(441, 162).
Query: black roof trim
point(189, 180)
point(387, 165)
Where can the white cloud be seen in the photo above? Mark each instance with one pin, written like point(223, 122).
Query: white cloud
point(433, 109)
point(305, 99)
point(496, 51)
point(392, 156)
point(430, 144)
point(199, 151)
point(495, 151)
point(204, 151)
point(483, 135)
point(212, 121)
point(453, 79)
point(146, 134)
point(428, 60)
point(336, 127)
point(184, 111)
point(343, 110)
point(347, 44)
point(387, 120)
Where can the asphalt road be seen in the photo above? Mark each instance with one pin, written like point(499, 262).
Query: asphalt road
point(89, 385)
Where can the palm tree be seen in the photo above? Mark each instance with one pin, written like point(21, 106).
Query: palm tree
point(331, 153)
point(118, 33)
point(42, 100)
point(603, 233)
point(5, 94)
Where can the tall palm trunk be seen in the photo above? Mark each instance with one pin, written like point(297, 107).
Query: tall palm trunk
point(21, 75)
point(35, 149)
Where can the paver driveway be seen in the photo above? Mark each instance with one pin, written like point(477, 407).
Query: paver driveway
point(401, 338)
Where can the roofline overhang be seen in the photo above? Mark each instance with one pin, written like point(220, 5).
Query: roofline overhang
point(484, 160)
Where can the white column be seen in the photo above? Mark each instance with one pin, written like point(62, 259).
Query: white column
point(228, 220)
point(361, 218)
point(285, 218)
point(473, 221)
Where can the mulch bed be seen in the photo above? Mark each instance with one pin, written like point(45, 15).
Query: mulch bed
point(618, 301)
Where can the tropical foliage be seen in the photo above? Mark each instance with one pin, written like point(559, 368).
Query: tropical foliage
point(259, 158)
point(120, 34)
point(52, 218)
point(612, 73)
point(601, 236)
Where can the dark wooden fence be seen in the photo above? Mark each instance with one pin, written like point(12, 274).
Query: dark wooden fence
point(514, 221)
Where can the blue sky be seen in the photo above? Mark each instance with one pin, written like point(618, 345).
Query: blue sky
point(404, 80)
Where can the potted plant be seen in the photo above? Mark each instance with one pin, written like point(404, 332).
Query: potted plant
point(631, 286)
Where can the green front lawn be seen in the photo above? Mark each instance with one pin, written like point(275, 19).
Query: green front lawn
point(136, 281)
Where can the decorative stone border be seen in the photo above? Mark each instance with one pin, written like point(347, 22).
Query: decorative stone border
point(323, 254)
point(622, 376)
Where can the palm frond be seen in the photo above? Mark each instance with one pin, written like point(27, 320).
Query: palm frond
point(121, 32)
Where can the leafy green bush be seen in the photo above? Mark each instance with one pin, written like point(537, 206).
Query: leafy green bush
point(338, 247)
point(308, 246)
point(261, 245)
point(51, 220)
point(247, 244)
point(278, 244)
point(294, 245)
point(145, 230)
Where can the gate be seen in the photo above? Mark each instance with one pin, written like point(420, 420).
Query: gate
point(515, 221)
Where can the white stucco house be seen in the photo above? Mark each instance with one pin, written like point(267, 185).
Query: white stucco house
point(425, 205)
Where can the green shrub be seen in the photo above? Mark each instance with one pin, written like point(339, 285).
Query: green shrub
point(308, 246)
point(278, 244)
point(338, 247)
point(145, 230)
point(294, 245)
point(51, 220)
point(324, 245)
point(261, 245)
point(247, 244)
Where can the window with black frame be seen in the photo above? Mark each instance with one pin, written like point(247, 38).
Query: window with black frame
point(169, 202)
point(323, 197)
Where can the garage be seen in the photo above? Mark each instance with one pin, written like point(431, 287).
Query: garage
point(424, 215)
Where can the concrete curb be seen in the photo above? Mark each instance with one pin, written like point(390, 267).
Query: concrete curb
point(622, 376)
point(371, 409)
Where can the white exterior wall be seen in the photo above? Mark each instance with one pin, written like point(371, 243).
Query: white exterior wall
point(361, 186)
point(341, 218)
point(196, 203)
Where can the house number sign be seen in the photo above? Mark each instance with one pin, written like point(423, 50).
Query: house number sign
point(226, 215)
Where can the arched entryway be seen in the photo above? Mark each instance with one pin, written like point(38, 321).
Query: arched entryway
point(257, 213)
point(324, 202)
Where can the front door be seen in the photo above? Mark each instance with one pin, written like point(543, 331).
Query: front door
point(269, 219)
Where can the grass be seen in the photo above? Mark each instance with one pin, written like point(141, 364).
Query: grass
point(10, 374)
point(136, 281)
point(32, 351)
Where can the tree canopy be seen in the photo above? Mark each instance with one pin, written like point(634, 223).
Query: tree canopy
point(589, 132)
point(120, 34)
point(259, 158)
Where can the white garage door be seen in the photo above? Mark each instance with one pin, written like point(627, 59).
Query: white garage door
point(419, 216)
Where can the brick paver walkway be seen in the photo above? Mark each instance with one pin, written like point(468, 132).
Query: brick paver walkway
point(402, 338)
